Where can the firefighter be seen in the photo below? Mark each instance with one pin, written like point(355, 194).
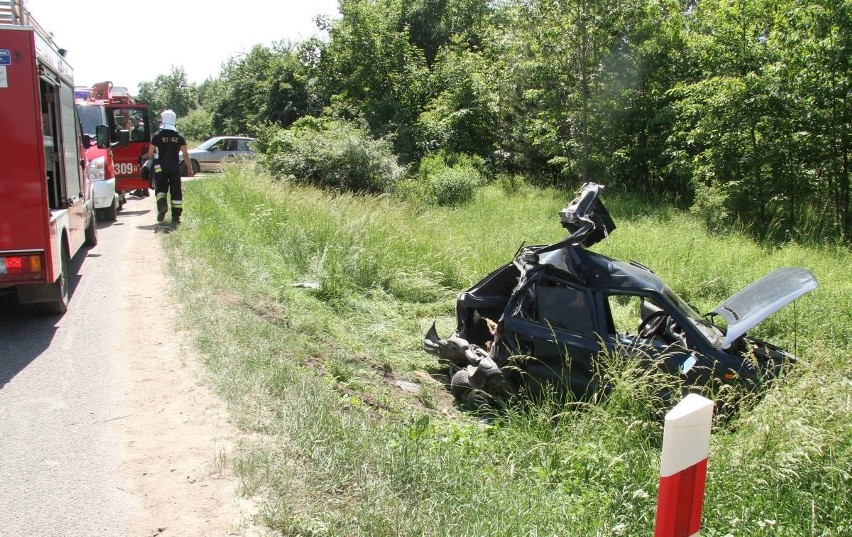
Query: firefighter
point(137, 131)
point(169, 145)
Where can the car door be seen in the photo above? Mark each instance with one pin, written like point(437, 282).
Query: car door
point(244, 149)
point(552, 326)
point(229, 149)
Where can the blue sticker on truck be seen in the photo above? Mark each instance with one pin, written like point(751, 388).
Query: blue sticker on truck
point(5, 56)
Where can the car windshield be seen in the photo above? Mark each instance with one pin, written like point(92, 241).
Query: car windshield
point(709, 331)
point(208, 143)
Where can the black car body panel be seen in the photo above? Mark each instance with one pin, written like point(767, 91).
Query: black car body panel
point(548, 317)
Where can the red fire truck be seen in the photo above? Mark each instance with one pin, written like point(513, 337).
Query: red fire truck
point(101, 163)
point(117, 109)
point(46, 197)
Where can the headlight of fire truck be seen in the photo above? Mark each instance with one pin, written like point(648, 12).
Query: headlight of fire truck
point(96, 169)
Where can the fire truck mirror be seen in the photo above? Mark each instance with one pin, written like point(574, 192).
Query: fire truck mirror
point(123, 138)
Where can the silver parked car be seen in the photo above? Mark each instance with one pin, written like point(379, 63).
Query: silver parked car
point(210, 154)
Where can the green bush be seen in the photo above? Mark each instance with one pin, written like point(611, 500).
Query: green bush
point(197, 125)
point(511, 185)
point(453, 186)
point(413, 191)
point(710, 206)
point(450, 179)
point(435, 162)
point(330, 153)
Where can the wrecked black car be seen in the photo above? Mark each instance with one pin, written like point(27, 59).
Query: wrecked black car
point(549, 316)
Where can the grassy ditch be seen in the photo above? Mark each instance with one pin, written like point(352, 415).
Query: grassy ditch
point(309, 309)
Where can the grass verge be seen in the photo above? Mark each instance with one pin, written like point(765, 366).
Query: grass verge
point(309, 309)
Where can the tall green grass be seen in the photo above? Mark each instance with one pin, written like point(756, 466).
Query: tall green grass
point(309, 308)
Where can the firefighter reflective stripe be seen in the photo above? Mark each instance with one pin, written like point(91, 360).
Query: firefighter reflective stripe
point(177, 203)
point(161, 196)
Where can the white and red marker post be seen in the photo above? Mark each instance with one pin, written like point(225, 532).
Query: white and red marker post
point(683, 471)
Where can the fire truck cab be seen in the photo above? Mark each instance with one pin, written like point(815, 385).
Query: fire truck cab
point(101, 162)
point(46, 198)
point(115, 107)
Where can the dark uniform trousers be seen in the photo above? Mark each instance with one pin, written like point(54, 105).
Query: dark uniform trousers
point(167, 184)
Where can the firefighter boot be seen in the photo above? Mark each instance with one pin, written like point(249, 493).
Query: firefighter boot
point(162, 208)
point(177, 210)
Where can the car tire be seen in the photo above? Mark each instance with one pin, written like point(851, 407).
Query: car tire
point(196, 168)
point(465, 393)
point(460, 385)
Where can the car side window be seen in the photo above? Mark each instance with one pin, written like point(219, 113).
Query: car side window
point(563, 307)
point(623, 314)
point(631, 316)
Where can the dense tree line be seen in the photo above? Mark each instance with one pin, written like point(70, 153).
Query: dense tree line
point(739, 109)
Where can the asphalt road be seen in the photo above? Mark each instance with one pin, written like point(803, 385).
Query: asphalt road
point(60, 378)
point(96, 405)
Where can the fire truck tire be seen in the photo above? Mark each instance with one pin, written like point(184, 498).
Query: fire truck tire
point(111, 212)
point(60, 304)
point(92, 230)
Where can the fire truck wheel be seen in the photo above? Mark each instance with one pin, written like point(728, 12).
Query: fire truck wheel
point(92, 230)
point(110, 213)
point(60, 305)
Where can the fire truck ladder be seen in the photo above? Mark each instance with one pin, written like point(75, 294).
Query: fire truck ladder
point(13, 12)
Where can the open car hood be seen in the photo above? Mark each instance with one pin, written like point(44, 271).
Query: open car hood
point(762, 298)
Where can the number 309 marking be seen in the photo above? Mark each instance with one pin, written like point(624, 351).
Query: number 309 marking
point(124, 168)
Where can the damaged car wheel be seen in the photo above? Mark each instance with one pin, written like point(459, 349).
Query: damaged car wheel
point(464, 392)
point(460, 385)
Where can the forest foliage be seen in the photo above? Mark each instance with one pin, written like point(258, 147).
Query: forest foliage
point(737, 109)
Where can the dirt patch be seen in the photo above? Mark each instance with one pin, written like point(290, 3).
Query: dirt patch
point(176, 431)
